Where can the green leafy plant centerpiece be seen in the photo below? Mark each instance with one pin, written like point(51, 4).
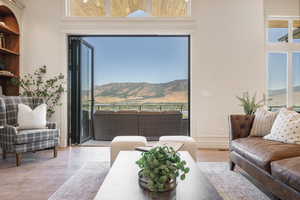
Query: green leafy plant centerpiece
point(250, 104)
point(160, 168)
point(37, 85)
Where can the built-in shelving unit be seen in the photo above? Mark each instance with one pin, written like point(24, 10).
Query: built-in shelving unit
point(9, 50)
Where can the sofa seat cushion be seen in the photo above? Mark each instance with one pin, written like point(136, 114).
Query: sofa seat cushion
point(30, 136)
point(262, 152)
point(287, 171)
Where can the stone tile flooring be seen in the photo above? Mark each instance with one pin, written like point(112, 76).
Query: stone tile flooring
point(40, 175)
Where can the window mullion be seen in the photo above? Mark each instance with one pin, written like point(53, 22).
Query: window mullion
point(290, 80)
point(149, 7)
point(290, 34)
point(107, 5)
point(189, 8)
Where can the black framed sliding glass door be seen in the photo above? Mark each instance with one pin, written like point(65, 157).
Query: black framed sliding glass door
point(81, 90)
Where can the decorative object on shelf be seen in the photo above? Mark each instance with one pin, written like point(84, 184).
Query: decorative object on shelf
point(6, 73)
point(160, 168)
point(249, 104)
point(36, 85)
point(2, 40)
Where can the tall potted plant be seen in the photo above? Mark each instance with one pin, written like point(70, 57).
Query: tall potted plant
point(250, 104)
point(38, 85)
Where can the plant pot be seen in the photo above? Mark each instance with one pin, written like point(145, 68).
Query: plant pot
point(143, 182)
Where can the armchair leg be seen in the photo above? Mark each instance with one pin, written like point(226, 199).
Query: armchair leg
point(55, 151)
point(3, 154)
point(231, 165)
point(18, 159)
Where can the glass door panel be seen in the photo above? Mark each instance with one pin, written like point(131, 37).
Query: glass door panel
point(81, 87)
point(86, 76)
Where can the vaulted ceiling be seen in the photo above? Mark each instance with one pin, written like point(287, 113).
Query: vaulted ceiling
point(122, 8)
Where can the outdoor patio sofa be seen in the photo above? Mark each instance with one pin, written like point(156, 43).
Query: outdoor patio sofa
point(152, 125)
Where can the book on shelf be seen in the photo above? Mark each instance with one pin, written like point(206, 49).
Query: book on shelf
point(6, 73)
point(2, 40)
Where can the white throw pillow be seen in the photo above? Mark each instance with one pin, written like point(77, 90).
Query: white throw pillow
point(32, 119)
point(286, 127)
point(263, 122)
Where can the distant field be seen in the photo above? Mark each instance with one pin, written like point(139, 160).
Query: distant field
point(281, 99)
point(181, 107)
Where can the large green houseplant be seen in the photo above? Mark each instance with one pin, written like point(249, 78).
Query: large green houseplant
point(38, 85)
point(160, 167)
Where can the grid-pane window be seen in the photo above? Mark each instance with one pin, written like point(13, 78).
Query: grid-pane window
point(296, 31)
point(296, 80)
point(278, 31)
point(169, 8)
point(87, 8)
point(124, 8)
point(277, 79)
point(129, 8)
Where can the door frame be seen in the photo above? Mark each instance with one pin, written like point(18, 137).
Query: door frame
point(188, 35)
point(74, 100)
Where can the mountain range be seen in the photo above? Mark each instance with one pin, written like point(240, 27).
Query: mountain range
point(283, 91)
point(171, 92)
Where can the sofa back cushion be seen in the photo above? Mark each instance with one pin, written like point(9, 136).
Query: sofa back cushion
point(286, 127)
point(263, 122)
point(11, 105)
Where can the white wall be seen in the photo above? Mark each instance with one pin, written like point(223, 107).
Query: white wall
point(228, 59)
point(227, 54)
point(282, 7)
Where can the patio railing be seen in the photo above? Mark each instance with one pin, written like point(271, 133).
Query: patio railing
point(182, 107)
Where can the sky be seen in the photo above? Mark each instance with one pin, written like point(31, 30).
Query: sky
point(139, 59)
point(278, 63)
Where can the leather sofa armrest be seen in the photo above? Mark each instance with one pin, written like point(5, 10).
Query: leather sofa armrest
point(240, 126)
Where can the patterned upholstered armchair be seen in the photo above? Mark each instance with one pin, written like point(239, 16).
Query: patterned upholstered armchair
point(17, 141)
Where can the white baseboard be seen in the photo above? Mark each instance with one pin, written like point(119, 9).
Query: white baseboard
point(212, 142)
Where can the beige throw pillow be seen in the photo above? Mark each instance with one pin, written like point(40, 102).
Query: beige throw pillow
point(263, 122)
point(286, 127)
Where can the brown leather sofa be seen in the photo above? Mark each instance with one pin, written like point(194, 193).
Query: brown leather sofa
point(274, 165)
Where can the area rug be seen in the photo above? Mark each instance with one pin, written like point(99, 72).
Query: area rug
point(85, 184)
point(230, 185)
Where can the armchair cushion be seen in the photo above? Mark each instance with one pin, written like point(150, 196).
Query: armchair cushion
point(30, 136)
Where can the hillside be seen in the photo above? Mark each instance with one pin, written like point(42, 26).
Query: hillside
point(172, 92)
point(278, 97)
